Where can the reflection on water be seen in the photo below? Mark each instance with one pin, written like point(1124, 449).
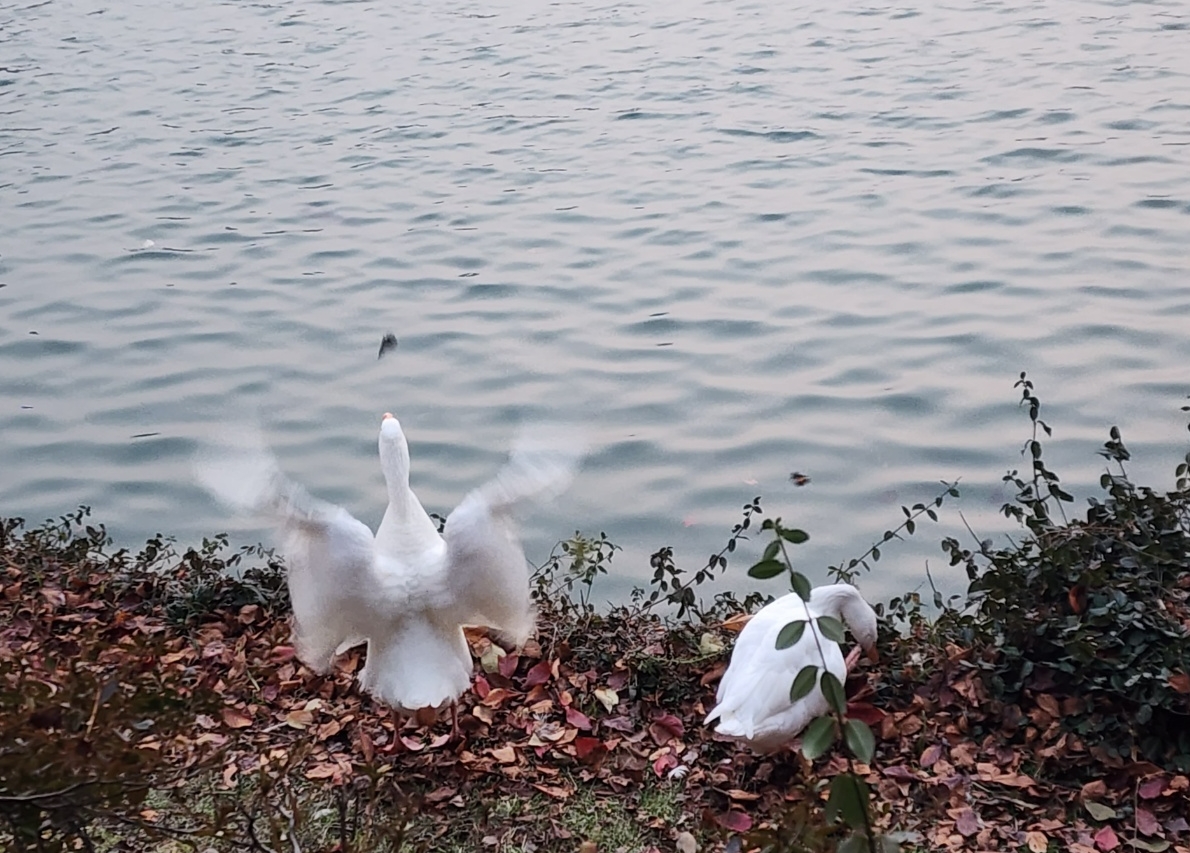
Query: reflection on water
point(737, 240)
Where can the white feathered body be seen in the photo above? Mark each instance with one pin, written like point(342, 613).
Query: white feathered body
point(407, 591)
point(752, 702)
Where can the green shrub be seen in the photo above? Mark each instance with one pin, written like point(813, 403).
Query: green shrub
point(1092, 608)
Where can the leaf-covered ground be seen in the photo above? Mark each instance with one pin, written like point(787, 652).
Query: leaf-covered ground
point(132, 721)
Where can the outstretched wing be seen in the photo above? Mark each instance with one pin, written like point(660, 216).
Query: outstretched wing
point(330, 554)
point(486, 568)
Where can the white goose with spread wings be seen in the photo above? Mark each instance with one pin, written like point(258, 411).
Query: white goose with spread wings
point(407, 591)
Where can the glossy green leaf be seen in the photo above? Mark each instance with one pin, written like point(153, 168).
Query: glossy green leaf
point(790, 634)
point(797, 537)
point(848, 799)
point(860, 740)
point(770, 551)
point(801, 585)
point(766, 569)
point(819, 736)
point(832, 689)
point(831, 628)
point(803, 683)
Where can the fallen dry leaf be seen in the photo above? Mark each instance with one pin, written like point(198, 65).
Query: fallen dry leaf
point(666, 727)
point(577, 719)
point(1146, 822)
point(966, 821)
point(322, 771)
point(607, 697)
point(1037, 842)
point(736, 821)
point(299, 719)
point(236, 719)
point(503, 754)
point(1106, 839)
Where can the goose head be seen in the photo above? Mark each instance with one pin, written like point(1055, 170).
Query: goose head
point(844, 602)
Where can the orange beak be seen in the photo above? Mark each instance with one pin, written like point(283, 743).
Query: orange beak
point(873, 655)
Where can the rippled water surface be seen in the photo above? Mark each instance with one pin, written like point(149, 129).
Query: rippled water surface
point(737, 239)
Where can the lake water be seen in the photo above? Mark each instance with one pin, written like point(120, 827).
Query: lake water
point(737, 240)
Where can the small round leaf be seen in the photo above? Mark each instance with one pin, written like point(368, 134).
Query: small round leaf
point(801, 585)
point(849, 798)
point(818, 738)
point(860, 740)
point(790, 634)
point(832, 689)
point(803, 683)
point(766, 569)
point(831, 628)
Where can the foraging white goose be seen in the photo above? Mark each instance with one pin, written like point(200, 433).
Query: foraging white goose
point(407, 591)
point(752, 703)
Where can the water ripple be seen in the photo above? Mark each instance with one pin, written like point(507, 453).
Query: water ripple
point(736, 241)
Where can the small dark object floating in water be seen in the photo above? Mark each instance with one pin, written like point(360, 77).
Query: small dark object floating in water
point(798, 478)
point(146, 434)
point(388, 342)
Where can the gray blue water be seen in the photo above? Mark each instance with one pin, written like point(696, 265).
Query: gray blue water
point(736, 239)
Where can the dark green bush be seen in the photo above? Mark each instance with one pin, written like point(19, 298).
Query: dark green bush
point(1093, 608)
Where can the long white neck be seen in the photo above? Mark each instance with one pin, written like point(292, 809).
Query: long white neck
point(406, 529)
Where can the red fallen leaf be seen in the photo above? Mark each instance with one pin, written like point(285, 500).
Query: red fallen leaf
point(618, 680)
point(666, 727)
point(578, 719)
point(736, 821)
point(664, 764)
point(234, 719)
point(539, 674)
point(1146, 822)
point(1180, 682)
point(1151, 788)
point(508, 665)
point(482, 688)
point(901, 772)
point(1106, 839)
point(865, 711)
point(589, 748)
point(366, 746)
point(930, 757)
